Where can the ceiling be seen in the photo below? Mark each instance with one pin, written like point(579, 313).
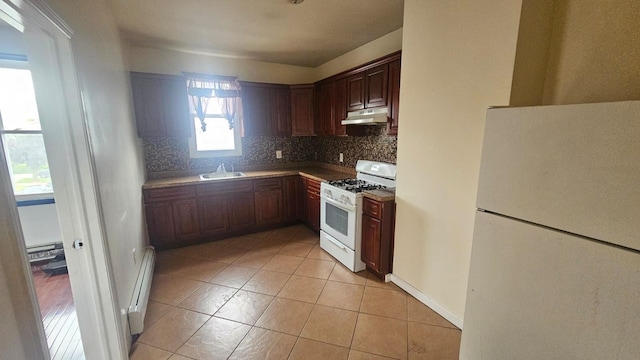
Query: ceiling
point(307, 34)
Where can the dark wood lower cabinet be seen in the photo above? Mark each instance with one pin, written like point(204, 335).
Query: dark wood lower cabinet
point(269, 209)
point(183, 215)
point(378, 221)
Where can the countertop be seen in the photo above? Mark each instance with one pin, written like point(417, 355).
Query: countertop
point(313, 172)
point(380, 195)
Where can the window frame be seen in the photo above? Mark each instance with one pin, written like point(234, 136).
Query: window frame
point(194, 153)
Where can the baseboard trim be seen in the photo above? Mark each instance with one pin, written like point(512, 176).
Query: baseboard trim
point(425, 299)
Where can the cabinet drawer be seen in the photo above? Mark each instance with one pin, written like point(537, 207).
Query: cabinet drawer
point(225, 187)
point(170, 193)
point(313, 186)
point(267, 184)
point(372, 208)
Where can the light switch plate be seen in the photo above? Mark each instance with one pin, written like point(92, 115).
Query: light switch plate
point(278, 154)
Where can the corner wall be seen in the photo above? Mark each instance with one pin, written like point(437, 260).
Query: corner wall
point(458, 59)
point(103, 75)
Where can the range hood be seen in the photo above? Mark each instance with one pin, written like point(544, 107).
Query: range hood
point(377, 116)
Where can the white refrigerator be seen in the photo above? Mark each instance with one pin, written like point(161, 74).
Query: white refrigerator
point(555, 262)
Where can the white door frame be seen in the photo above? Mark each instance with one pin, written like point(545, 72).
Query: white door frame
point(73, 175)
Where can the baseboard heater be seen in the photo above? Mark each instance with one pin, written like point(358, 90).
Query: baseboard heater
point(140, 297)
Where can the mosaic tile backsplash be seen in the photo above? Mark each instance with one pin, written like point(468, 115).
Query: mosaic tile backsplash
point(165, 156)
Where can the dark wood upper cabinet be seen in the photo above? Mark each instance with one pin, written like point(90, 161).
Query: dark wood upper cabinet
point(356, 92)
point(376, 86)
point(266, 109)
point(325, 123)
point(302, 110)
point(339, 106)
point(280, 112)
point(161, 105)
point(394, 97)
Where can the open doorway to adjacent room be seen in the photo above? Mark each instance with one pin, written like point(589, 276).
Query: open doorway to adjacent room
point(26, 157)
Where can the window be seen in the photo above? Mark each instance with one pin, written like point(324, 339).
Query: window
point(216, 109)
point(218, 139)
point(21, 131)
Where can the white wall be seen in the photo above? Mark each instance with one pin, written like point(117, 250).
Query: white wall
point(117, 152)
point(458, 59)
point(39, 224)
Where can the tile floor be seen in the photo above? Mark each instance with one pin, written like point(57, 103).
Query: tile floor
point(277, 295)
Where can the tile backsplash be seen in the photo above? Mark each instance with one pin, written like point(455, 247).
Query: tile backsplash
point(165, 156)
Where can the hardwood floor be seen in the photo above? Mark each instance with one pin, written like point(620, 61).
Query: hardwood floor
point(58, 315)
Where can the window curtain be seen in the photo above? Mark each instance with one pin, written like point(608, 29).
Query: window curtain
point(202, 88)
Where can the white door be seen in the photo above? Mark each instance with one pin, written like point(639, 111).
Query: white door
point(58, 98)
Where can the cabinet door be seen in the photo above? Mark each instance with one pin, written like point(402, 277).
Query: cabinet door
point(214, 214)
point(394, 97)
point(185, 216)
point(376, 86)
point(326, 111)
point(302, 111)
point(313, 210)
point(241, 211)
point(160, 224)
point(292, 201)
point(339, 106)
point(256, 110)
point(355, 92)
point(161, 105)
point(280, 112)
point(269, 207)
point(371, 242)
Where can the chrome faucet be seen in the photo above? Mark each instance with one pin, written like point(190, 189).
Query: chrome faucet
point(221, 169)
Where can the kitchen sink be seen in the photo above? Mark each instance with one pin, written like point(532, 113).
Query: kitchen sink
point(224, 175)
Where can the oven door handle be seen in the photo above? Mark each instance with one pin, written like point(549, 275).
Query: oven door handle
point(337, 243)
point(339, 205)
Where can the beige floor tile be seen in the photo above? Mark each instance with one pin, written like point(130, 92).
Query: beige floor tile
point(179, 357)
point(287, 234)
point(263, 344)
point(201, 270)
point(383, 302)
point(428, 342)
point(140, 351)
point(283, 263)
point(341, 295)
point(320, 269)
point(173, 329)
point(245, 307)
point(359, 355)
point(234, 276)
point(208, 299)
point(254, 259)
point(318, 253)
point(330, 325)
point(155, 311)
point(266, 282)
point(421, 313)
point(314, 350)
point(381, 336)
point(169, 261)
point(284, 315)
point(302, 288)
point(373, 281)
point(199, 251)
point(342, 274)
point(170, 289)
point(296, 249)
point(246, 242)
point(271, 244)
point(307, 235)
point(215, 340)
point(225, 254)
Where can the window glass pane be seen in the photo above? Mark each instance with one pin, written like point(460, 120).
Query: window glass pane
point(18, 109)
point(217, 137)
point(27, 160)
point(214, 106)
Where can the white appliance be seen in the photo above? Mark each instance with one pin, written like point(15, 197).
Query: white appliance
point(341, 210)
point(555, 264)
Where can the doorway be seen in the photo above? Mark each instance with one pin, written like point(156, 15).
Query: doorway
point(76, 202)
point(26, 159)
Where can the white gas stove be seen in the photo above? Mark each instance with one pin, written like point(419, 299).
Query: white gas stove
point(341, 210)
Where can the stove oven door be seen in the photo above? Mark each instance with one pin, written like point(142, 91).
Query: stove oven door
point(339, 221)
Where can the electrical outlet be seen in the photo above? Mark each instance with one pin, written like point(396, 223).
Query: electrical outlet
point(278, 154)
point(341, 157)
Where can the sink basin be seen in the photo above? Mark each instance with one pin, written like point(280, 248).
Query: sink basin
point(225, 175)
